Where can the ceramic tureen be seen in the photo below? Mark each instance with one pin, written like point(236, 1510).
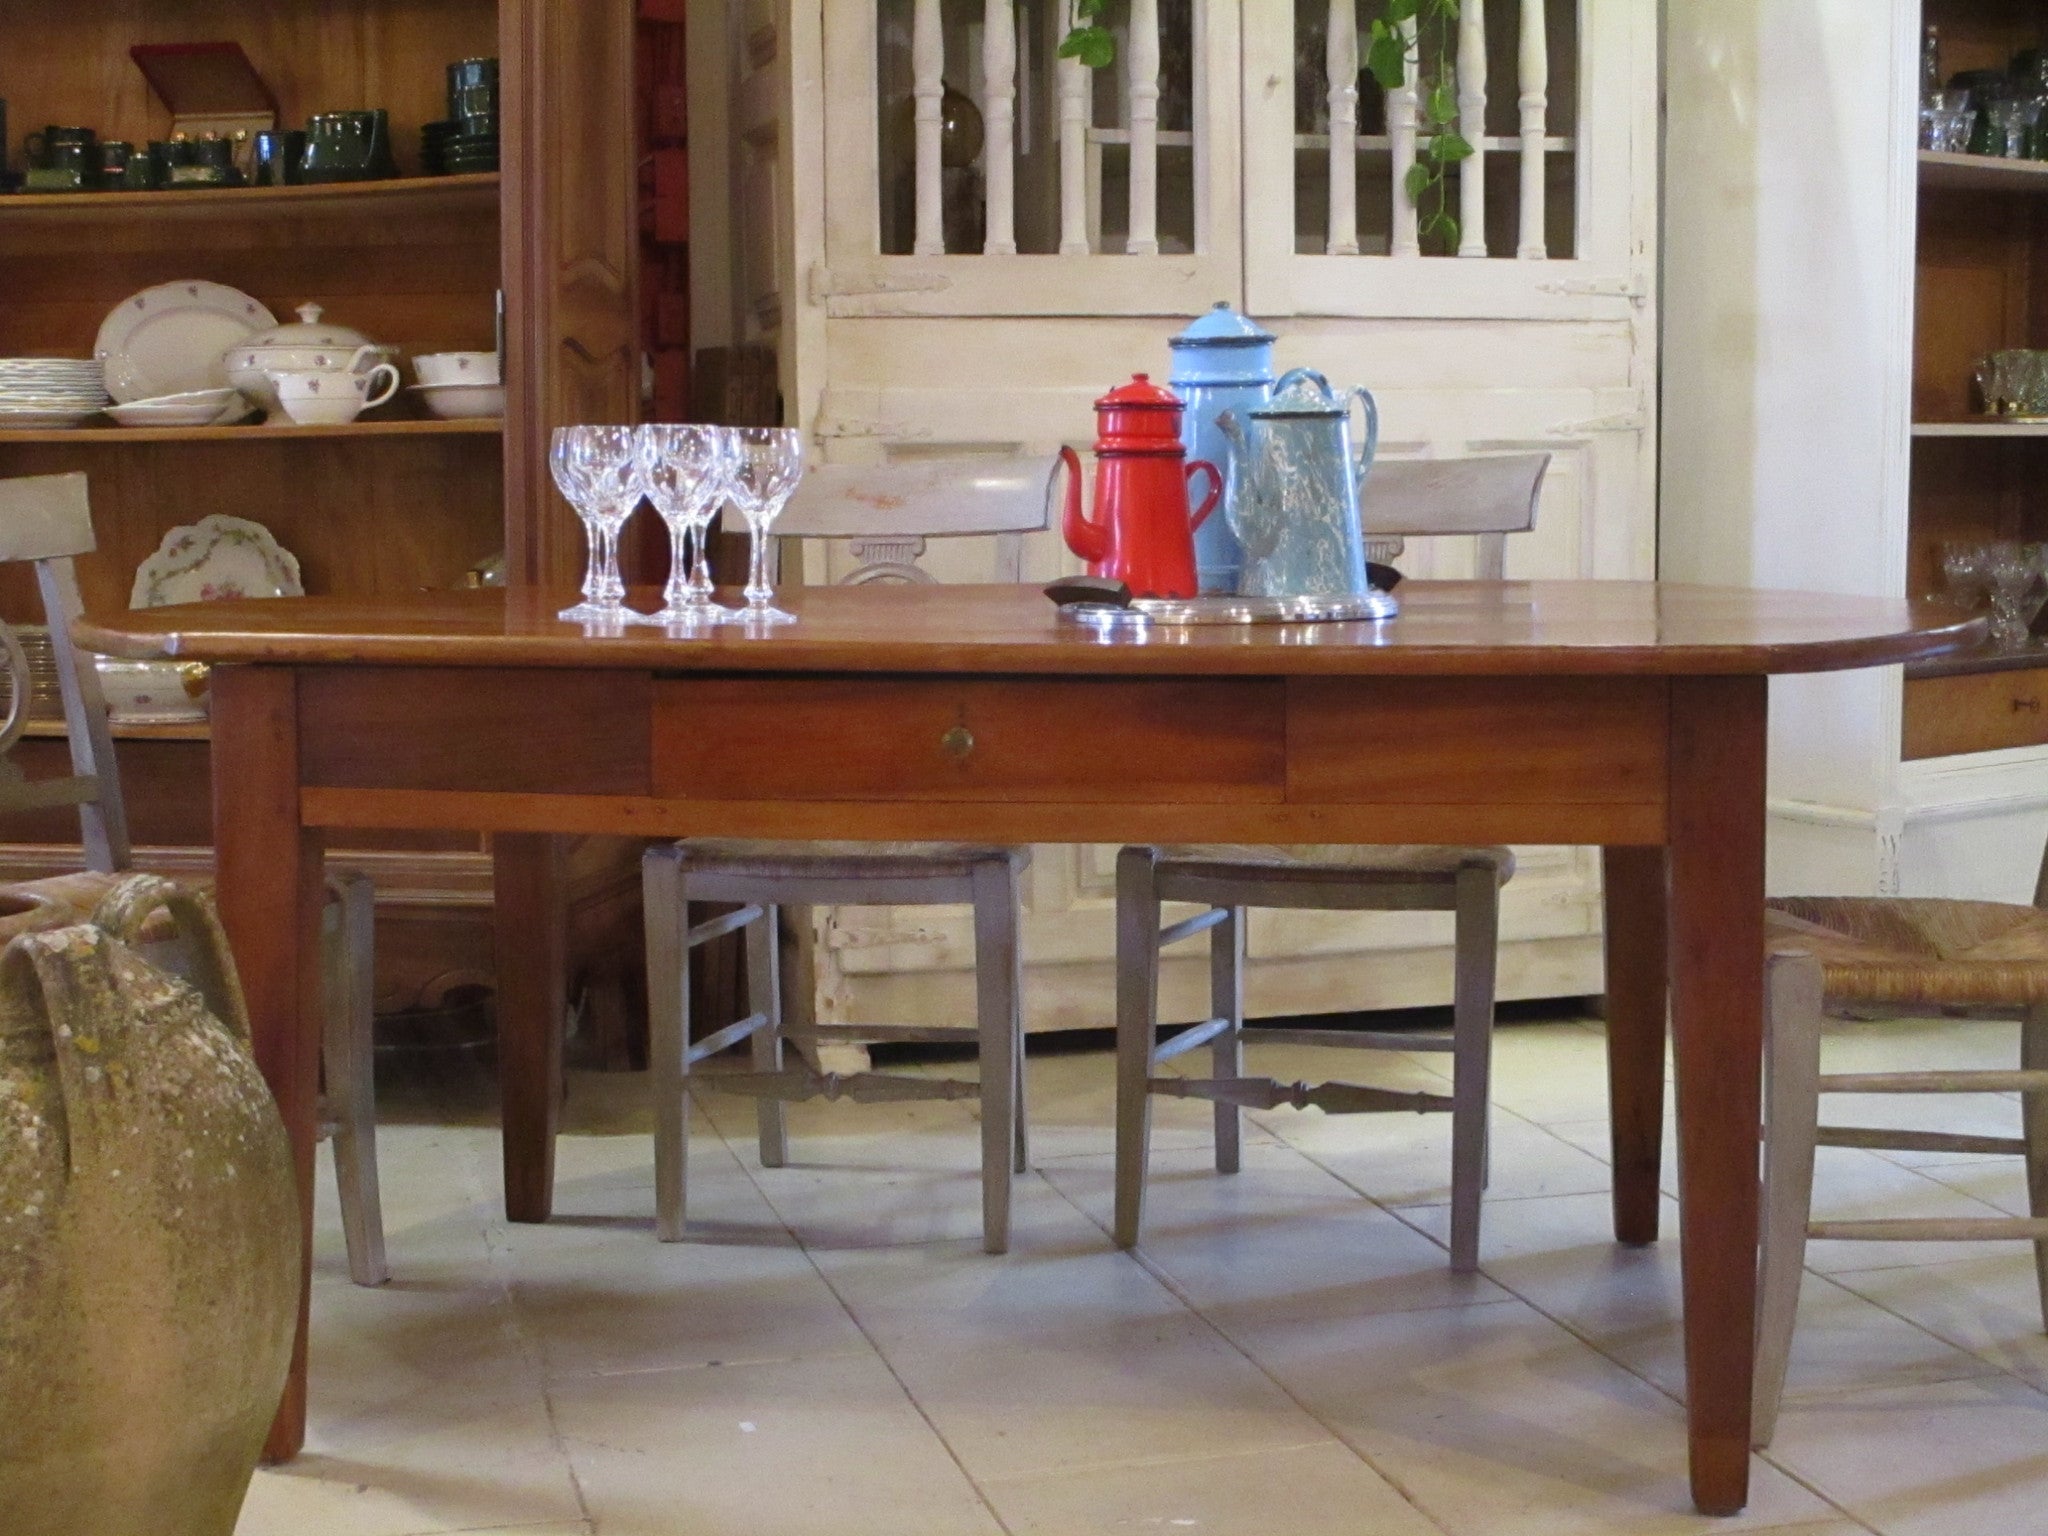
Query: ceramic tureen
point(313, 345)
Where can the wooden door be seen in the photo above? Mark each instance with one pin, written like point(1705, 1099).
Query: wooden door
point(950, 303)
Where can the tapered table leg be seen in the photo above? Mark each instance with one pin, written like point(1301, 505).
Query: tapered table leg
point(1636, 991)
point(532, 963)
point(1717, 952)
point(269, 888)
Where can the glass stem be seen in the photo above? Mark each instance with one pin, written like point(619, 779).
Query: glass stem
point(593, 538)
point(610, 592)
point(701, 585)
point(681, 574)
point(759, 593)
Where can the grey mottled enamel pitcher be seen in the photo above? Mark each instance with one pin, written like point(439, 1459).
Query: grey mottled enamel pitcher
point(1292, 496)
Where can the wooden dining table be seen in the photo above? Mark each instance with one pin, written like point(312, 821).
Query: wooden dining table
point(1627, 715)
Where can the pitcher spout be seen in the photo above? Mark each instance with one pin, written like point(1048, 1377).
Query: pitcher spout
point(1086, 539)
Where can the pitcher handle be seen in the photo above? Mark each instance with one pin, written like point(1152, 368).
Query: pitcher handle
point(1204, 467)
point(1362, 395)
point(1292, 374)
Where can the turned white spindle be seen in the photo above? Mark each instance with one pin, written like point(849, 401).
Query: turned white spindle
point(1341, 62)
point(1401, 113)
point(1142, 48)
point(1535, 102)
point(928, 87)
point(999, 113)
point(1472, 125)
point(1075, 83)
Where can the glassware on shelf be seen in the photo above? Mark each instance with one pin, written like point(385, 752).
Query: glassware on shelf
point(766, 464)
point(2013, 576)
point(1945, 121)
point(597, 470)
point(686, 471)
point(2012, 126)
point(2014, 384)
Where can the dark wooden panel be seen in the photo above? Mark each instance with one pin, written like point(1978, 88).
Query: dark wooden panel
point(1975, 712)
point(1453, 740)
point(538, 731)
point(1025, 739)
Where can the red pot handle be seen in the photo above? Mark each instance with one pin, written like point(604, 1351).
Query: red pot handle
point(1204, 467)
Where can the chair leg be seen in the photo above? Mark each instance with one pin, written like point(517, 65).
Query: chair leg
point(764, 996)
point(1137, 1028)
point(349, 1056)
point(1477, 950)
point(2034, 1057)
point(1792, 1020)
point(998, 976)
point(665, 898)
point(1226, 1055)
point(1021, 1121)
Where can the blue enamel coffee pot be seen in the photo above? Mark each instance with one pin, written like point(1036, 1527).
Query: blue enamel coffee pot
point(1222, 362)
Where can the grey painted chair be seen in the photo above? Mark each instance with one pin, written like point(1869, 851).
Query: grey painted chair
point(47, 522)
point(1890, 955)
point(1486, 497)
point(884, 514)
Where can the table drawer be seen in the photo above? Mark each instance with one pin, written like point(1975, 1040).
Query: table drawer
point(1095, 740)
point(1975, 712)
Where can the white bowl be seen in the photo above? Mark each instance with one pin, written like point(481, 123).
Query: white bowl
point(457, 368)
point(463, 402)
point(153, 692)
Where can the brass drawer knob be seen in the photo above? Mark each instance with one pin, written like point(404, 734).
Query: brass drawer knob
point(958, 743)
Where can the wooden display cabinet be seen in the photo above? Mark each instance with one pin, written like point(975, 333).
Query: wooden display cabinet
point(1981, 284)
point(395, 502)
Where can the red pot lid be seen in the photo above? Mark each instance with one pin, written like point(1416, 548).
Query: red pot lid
point(1140, 394)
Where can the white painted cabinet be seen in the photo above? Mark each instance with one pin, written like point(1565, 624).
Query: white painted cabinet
point(942, 302)
point(1790, 377)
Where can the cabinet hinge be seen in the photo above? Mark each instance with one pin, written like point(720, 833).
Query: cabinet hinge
point(1628, 288)
point(1620, 421)
point(828, 284)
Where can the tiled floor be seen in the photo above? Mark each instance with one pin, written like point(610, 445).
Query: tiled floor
point(832, 1355)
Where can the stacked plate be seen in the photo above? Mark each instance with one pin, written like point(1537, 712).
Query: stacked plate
point(195, 408)
point(43, 392)
point(463, 146)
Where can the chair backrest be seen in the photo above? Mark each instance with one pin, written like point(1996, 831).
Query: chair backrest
point(886, 512)
point(1489, 497)
point(46, 521)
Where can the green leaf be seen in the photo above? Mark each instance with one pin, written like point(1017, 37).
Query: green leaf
point(1419, 178)
point(1452, 146)
point(1402, 10)
point(1089, 10)
point(1095, 47)
point(1443, 102)
point(1388, 61)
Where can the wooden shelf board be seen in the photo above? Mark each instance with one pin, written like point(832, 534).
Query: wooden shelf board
point(1969, 663)
point(1982, 173)
point(1980, 428)
point(189, 730)
point(105, 436)
point(348, 199)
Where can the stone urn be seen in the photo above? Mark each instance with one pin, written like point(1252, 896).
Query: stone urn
point(149, 1226)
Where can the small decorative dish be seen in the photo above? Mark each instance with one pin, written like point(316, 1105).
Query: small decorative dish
point(1147, 613)
point(217, 559)
point(153, 692)
point(196, 408)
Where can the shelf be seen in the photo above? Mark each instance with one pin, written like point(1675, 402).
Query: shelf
point(1980, 428)
point(100, 437)
point(403, 197)
point(1982, 173)
point(186, 730)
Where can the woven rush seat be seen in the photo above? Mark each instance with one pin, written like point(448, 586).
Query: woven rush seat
point(1315, 861)
point(871, 861)
point(1919, 951)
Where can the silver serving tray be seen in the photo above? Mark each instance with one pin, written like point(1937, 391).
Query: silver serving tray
point(1175, 612)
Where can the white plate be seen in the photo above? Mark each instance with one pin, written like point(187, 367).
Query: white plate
point(173, 338)
point(12, 420)
point(219, 557)
point(206, 409)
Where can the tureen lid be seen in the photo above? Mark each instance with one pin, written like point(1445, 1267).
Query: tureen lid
point(1223, 327)
point(310, 331)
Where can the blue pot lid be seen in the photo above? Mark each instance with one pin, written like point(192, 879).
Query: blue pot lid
point(1223, 327)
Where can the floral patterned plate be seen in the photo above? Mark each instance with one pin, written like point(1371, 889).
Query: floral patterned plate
point(218, 558)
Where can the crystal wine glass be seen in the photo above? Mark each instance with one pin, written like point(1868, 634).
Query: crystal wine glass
point(598, 470)
point(766, 464)
point(685, 469)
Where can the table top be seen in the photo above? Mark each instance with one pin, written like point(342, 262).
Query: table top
point(1557, 628)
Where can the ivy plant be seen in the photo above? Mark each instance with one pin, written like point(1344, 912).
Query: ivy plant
point(1394, 46)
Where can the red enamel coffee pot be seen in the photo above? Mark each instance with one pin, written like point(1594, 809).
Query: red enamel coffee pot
point(1142, 533)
